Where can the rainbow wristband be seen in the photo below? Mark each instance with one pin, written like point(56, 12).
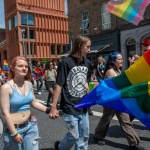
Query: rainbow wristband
point(14, 134)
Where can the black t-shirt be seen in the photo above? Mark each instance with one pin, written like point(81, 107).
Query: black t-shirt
point(73, 77)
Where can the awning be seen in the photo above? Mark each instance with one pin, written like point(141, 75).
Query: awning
point(96, 49)
point(65, 54)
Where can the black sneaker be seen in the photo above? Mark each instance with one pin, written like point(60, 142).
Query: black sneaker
point(99, 141)
point(56, 145)
point(136, 147)
point(90, 112)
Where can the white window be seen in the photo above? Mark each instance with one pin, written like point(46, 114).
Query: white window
point(106, 18)
point(85, 22)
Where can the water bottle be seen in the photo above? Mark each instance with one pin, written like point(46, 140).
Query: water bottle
point(91, 86)
point(33, 118)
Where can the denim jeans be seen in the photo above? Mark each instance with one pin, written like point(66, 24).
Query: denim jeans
point(78, 132)
point(30, 137)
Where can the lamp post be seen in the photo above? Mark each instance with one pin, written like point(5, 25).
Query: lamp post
point(23, 46)
point(71, 41)
point(29, 49)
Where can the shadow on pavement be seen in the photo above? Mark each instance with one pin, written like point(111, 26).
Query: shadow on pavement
point(109, 143)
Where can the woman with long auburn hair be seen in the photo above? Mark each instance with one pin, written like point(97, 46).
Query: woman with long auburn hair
point(20, 128)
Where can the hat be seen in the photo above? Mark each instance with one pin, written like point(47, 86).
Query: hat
point(146, 42)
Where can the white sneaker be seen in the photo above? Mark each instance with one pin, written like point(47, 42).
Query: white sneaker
point(39, 93)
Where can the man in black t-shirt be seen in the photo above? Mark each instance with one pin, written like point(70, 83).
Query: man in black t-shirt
point(74, 73)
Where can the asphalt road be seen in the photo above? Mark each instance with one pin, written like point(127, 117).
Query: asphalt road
point(52, 130)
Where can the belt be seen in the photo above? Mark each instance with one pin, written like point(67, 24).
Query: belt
point(21, 125)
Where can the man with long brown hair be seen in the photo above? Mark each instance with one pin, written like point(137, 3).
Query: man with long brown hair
point(74, 73)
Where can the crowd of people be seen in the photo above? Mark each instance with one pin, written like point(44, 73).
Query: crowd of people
point(69, 81)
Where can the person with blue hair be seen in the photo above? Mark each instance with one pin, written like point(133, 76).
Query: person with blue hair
point(112, 69)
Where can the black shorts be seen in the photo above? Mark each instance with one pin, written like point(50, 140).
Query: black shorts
point(50, 84)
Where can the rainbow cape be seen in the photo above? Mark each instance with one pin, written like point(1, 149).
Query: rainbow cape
point(130, 10)
point(6, 68)
point(128, 92)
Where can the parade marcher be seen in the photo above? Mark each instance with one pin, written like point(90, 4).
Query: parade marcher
point(73, 75)
point(50, 81)
point(39, 78)
point(100, 68)
point(112, 69)
point(20, 128)
point(145, 45)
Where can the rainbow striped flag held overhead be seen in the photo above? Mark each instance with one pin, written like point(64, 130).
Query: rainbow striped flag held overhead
point(130, 10)
point(128, 92)
point(6, 68)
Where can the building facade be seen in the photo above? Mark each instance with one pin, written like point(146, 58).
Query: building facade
point(104, 29)
point(35, 29)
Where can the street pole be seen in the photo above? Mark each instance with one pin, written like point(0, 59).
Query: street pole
point(23, 46)
point(29, 49)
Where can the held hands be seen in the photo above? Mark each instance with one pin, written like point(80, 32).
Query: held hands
point(18, 138)
point(54, 113)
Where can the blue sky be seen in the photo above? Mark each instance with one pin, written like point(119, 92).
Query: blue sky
point(2, 22)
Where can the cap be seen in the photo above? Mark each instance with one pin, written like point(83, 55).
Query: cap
point(146, 42)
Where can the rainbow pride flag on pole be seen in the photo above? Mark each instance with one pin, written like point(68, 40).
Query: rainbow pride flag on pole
point(130, 10)
point(128, 92)
point(6, 68)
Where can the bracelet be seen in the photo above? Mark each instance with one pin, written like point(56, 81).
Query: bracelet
point(47, 110)
point(14, 134)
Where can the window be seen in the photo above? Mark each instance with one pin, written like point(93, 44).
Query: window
point(9, 24)
point(52, 49)
point(58, 49)
point(25, 34)
point(85, 22)
point(15, 21)
point(27, 19)
point(32, 34)
point(106, 18)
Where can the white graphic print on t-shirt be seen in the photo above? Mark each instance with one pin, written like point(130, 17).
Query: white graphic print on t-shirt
point(76, 81)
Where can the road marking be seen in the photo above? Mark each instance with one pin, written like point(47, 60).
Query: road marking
point(99, 114)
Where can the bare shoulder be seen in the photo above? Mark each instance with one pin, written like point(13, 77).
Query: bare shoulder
point(110, 73)
point(6, 88)
point(28, 83)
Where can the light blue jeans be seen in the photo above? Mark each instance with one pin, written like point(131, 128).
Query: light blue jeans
point(30, 137)
point(78, 132)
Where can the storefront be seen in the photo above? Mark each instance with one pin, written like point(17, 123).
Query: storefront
point(130, 42)
point(104, 45)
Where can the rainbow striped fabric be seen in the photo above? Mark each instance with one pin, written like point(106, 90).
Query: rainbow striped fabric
point(128, 92)
point(130, 10)
point(6, 68)
point(36, 70)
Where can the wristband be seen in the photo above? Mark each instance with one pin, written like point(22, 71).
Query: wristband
point(47, 110)
point(14, 134)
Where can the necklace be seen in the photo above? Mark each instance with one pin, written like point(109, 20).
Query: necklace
point(20, 89)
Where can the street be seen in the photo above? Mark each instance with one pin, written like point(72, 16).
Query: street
point(52, 130)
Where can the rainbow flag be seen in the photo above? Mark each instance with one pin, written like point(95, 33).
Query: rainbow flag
point(1, 72)
point(128, 92)
point(130, 10)
point(36, 70)
point(6, 68)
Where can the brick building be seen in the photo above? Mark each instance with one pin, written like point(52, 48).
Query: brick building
point(104, 29)
point(2, 35)
point(35, 29)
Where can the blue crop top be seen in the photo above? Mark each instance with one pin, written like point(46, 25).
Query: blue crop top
point(18, 102)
